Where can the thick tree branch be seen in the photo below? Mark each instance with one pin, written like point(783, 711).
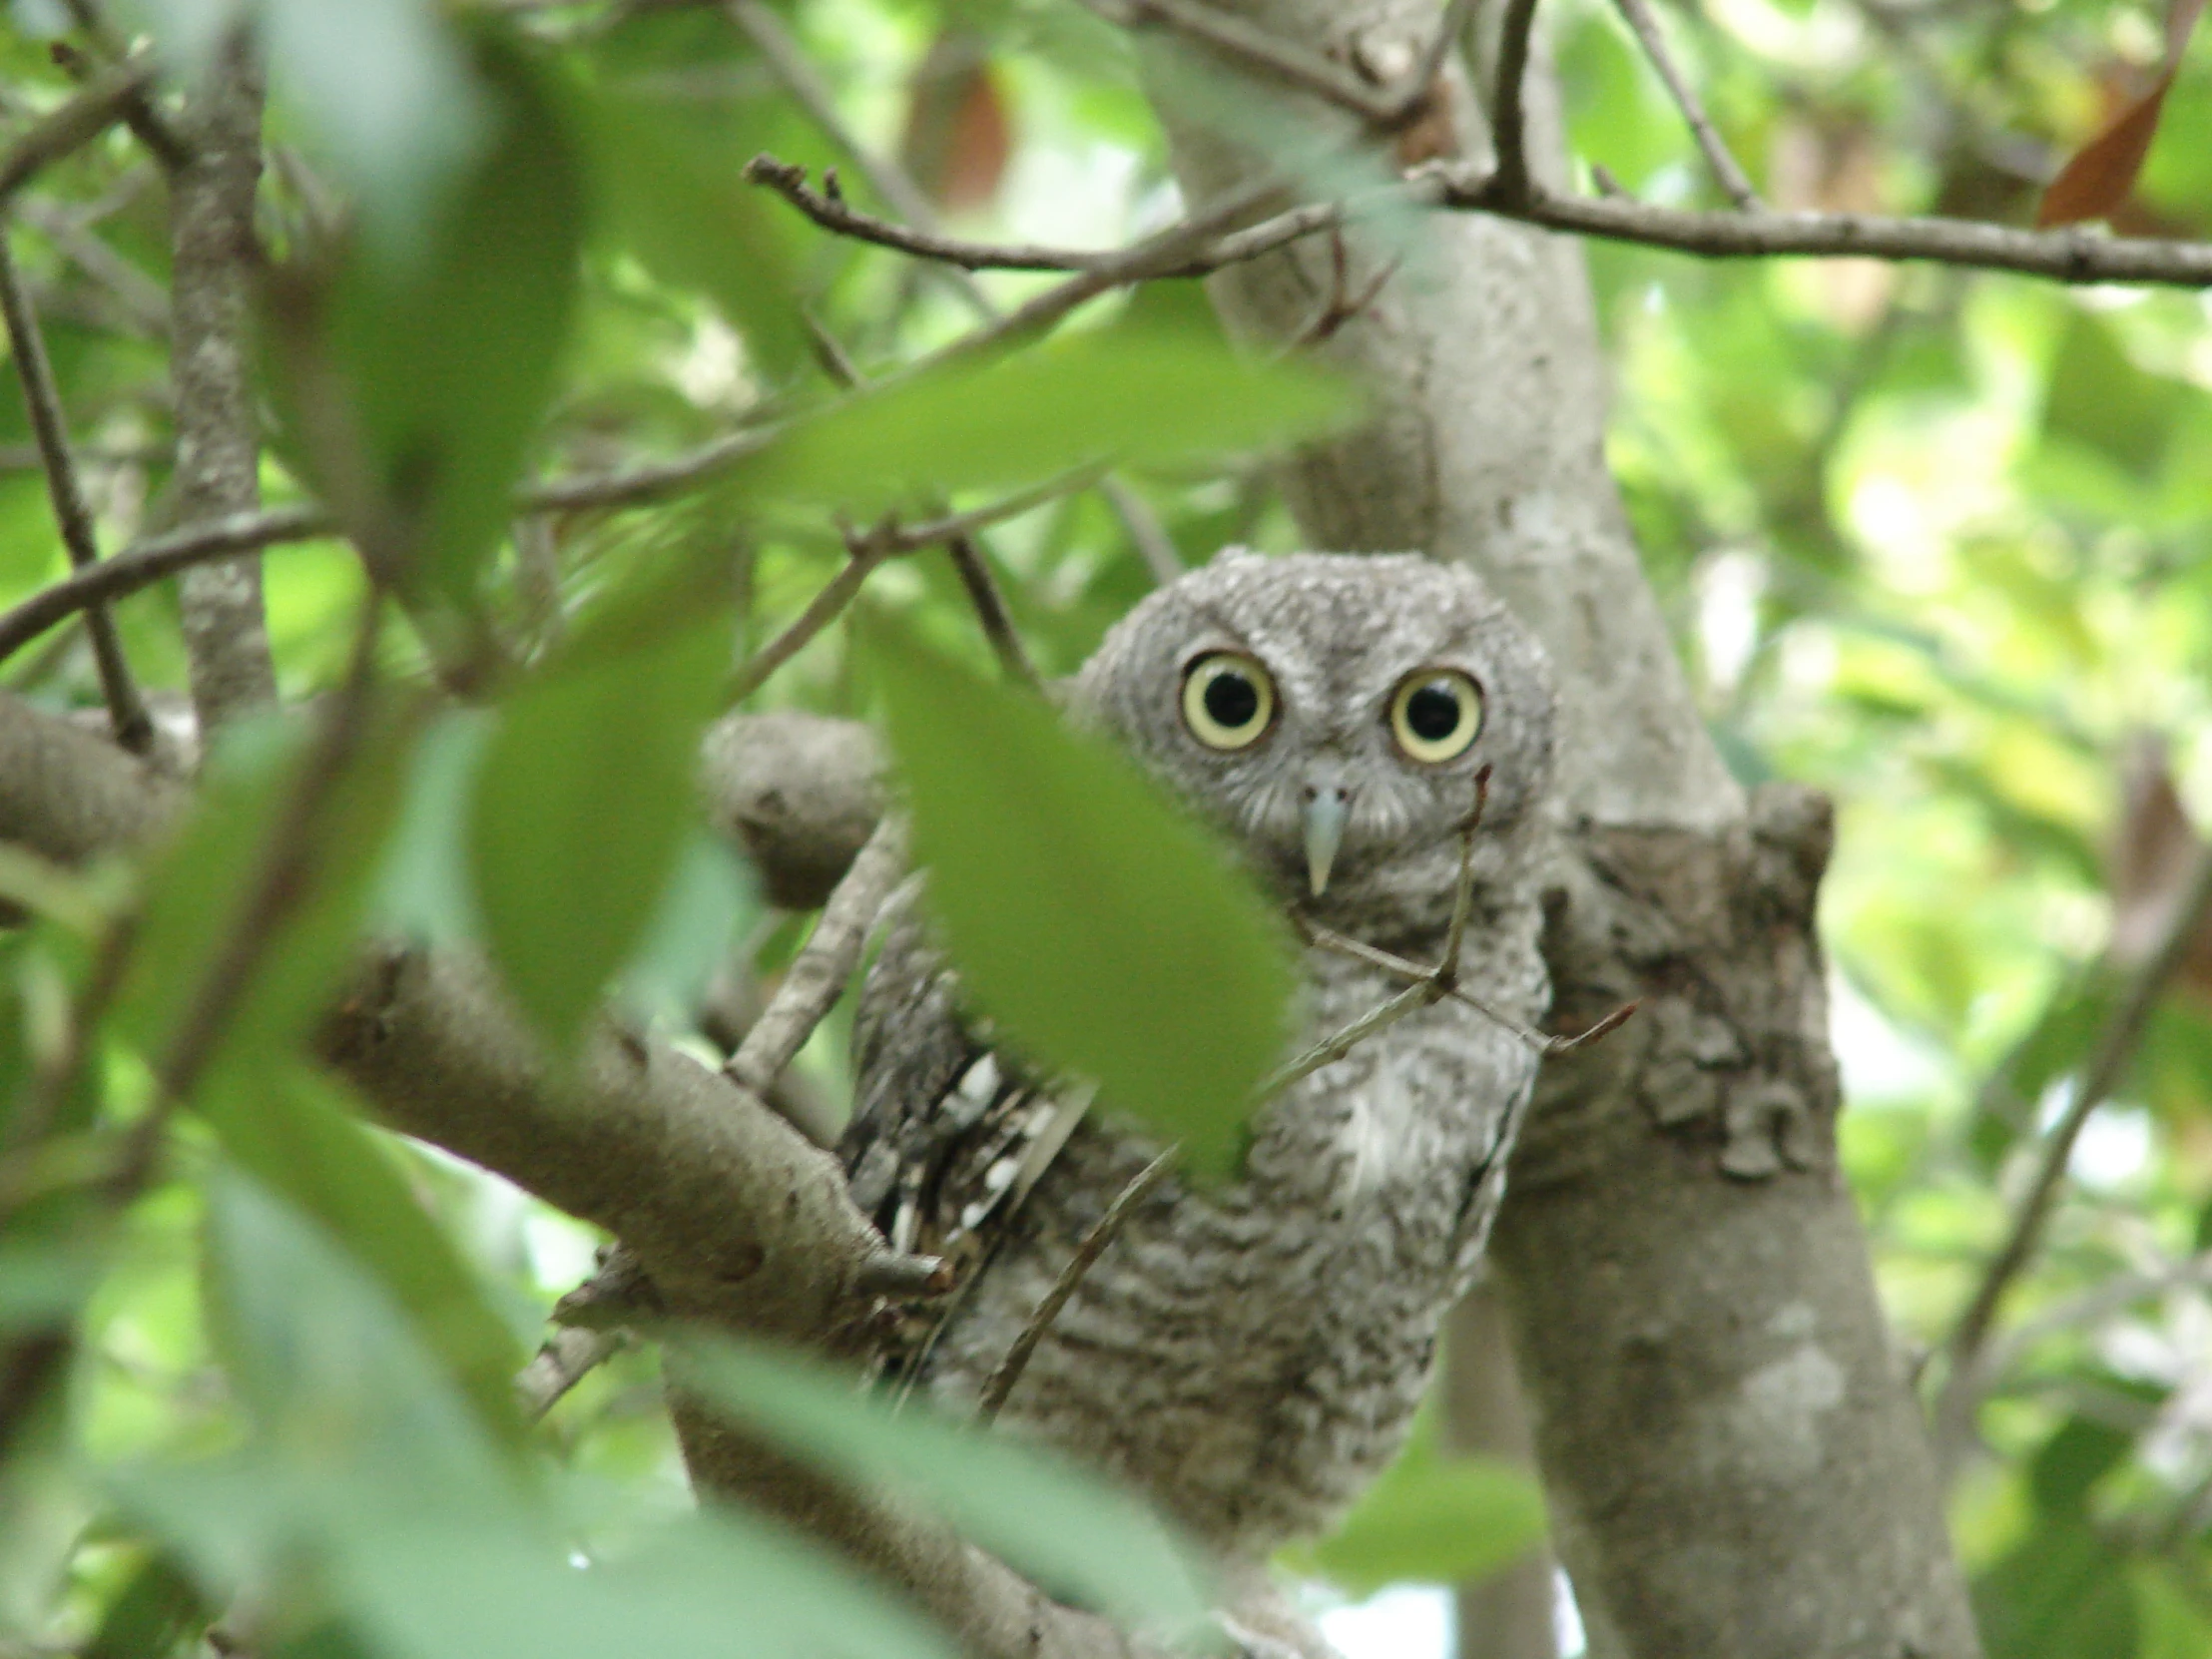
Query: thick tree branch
point(1734, 1466)
point(218, 428)
point(738, 1219)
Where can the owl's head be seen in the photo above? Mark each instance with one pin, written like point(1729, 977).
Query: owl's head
point(1332, 712)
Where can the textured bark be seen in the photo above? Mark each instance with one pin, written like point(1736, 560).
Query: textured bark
point(1734, 1464)
point(217, 430)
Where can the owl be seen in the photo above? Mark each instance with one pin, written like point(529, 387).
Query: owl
point(1250, 1355)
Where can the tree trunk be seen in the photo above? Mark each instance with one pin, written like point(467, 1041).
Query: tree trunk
point(1733, 1461)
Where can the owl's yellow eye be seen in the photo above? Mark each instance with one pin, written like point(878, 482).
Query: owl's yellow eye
point(1435, 713)
point(1228, 700)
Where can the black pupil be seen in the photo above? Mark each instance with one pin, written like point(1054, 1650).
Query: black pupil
point(1432, 713)
point(1232, 699)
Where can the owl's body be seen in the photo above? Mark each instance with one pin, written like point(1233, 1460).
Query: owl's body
point(1251, 1357)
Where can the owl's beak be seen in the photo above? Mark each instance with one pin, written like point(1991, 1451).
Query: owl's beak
point(1326, 810)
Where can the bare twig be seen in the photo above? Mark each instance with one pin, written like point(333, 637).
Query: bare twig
point(867, 552)
point(2106, 1066)
point(967, 558)
point(125, 709)
point(817, 976)
point(1731, 176)
point(1008, 1372)
point(1285, 60)
point(890, 181)
point(147, 562)
point(2069, 255)
point(75, 124)
point(138, 295)
point(1509, 182)
point(834, 214)
point(991, 613)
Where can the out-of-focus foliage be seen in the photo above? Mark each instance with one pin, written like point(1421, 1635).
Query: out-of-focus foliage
point(1939, 543)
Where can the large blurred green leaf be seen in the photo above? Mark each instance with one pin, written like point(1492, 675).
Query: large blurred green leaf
point(197, 889)
point(1098, 923)
point(1135, 396)
point(450, 354)
point(2098, 398)
point(386, 89)
point(368, 1495)
point(582, 801)
point(685, 210)
point(2063, 1593)
point(280, 1124)
point(1073, 1535)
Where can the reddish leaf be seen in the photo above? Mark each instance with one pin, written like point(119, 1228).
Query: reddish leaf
point(2096, 182)
point(958, 135)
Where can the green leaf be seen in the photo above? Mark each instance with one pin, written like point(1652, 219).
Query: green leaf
point(1142, 396)
point(369, 1502)
point(451, 355)
point(199, 885)
point(1447, 1520)
point(2098, 398)
point(683, 208)
point(1076, 1536)
point(386, 89)
point(1106, 930)
point(2072, 1461)
point(2063, 1593)
point(582, 801)
point(155, 1609)
point(280, 1125)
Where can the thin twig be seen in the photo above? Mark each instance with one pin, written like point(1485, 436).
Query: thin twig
point(1731, 176)
point(817, 975)
point(1424, 992)
point(2067, 255)
point(890, 181)
point(967, 559)
point(125, 709)
point(868, 552)
point(996, 620)
point(1510, 183)
point(2106, 1066)
point(835, 215)
point(75, 124)
point(1001, 1381)
point(1256, 46)
point(145, 562)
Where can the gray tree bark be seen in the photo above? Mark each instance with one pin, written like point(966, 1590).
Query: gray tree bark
point(217, 430)
point(1733, 1461)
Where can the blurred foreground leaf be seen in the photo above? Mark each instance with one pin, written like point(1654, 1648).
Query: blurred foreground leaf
point(1075, 1535)
point(1136, 395)
point(581, 804)
point(1106, 931)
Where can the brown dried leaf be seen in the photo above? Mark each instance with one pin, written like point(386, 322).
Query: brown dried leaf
point(2096, 182)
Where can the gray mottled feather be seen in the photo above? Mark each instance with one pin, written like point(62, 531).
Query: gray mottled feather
point(1250, 1357)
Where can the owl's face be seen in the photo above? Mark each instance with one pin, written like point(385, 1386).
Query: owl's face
point(1332, 712)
